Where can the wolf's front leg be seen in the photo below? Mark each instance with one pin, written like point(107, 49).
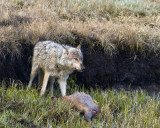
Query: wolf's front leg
point(62, 83)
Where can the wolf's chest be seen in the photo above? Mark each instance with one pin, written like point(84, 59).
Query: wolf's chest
point(59, 74)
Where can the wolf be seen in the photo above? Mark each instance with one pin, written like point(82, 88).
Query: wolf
point(55, 61)
point(82, 102)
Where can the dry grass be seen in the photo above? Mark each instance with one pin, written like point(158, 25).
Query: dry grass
point(113, 24)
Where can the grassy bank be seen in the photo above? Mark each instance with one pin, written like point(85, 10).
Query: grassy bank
point(22, 108)
point(113, 24)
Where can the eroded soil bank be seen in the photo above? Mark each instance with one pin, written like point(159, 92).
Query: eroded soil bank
point(102, 69)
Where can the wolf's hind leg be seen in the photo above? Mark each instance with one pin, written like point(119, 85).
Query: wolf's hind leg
point(40, 77)
point(33, 74)
point(52, 79)
point(45, 81)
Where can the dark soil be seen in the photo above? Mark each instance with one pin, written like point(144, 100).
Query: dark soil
point(102, 69)
point(124, 69)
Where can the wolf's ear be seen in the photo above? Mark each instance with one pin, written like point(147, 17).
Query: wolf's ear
point(66, 49)
point(79, 46)
point(67, 52)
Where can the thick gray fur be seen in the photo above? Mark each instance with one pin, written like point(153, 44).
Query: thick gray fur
point(55, 61)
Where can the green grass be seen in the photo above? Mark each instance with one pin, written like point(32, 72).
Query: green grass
point(26, 108)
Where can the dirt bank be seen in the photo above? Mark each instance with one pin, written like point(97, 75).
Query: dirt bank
point(102, 69)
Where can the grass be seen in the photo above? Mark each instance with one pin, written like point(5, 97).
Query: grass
point(26, 108)
point(115, 25)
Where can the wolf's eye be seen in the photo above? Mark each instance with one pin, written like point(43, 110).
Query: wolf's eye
point(76, 59)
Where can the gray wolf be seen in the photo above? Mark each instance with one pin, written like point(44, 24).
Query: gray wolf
point(83, 102)
point(55, 61)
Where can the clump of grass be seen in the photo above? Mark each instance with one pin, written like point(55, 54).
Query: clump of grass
point(26, 108)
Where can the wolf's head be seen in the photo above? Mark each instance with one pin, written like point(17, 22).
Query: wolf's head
point(74, 58)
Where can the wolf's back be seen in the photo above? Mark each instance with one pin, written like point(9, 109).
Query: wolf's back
point(46, 54)
point(48, 48)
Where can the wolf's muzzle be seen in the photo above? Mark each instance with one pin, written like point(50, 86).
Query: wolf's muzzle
point(82, 68)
